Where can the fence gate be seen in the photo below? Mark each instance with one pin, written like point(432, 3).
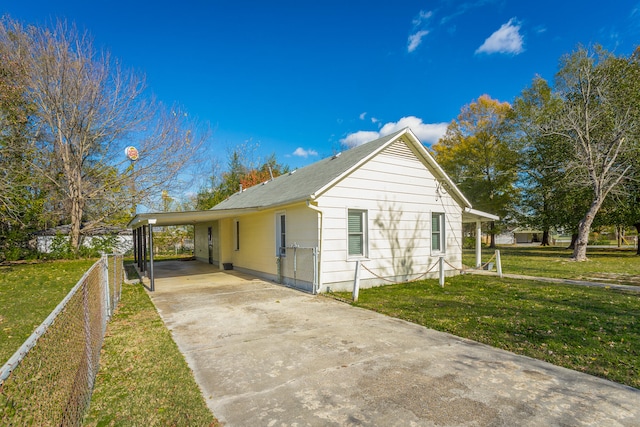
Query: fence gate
point(298, 268)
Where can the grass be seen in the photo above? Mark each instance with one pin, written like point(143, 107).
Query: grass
point(593, 330)
point(608, 265)
point(143, 377)
point(28, 294)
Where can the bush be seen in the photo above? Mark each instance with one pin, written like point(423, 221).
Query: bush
point(99, 245)
point(469, 242)
point(60, 247)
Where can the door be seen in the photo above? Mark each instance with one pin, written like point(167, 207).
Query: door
point(210, 243)
point(281, 235)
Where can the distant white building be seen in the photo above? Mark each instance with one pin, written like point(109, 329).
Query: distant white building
point(124, 237)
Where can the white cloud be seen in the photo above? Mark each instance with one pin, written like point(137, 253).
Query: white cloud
point(506, 40)
point(359, 138)
point(374, 120)
point(428, 133)
point(415, 40)
point(422, 16)
point(363, 115)
point(301, 152)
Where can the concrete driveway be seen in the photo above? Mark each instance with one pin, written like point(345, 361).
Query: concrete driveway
point(265, 355)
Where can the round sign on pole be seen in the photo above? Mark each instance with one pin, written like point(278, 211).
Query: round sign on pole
point(132, 153)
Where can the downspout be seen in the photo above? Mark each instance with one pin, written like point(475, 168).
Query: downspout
point(319, 260)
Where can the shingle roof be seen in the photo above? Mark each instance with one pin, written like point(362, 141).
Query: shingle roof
point(303, 183)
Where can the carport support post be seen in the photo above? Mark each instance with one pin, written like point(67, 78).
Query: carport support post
point(152, 284)
point(356, 282)
point(478, 244)
point(135, 249)
point(144, 249)
point(441, 267)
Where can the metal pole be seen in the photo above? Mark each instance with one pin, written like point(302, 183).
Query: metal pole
point(144, 249)
point(478, 244)
point(295, 266)
point(135, 254)
point(315, 271)
point(356, 282)
point(152, 284)
point(106, 290)
point(441, 266)
point(139, 240)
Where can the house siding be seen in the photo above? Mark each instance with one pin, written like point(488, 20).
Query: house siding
point(257, 252)
point(398, 191)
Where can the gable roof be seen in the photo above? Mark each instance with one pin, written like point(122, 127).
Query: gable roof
point(311, 181)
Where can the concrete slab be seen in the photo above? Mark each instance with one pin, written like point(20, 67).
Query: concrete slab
point(265, 355)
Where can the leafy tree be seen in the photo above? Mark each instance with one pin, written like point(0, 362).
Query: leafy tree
point(21, 200)
point(478, 152)
point(600, 120)
point(240, 173)
point(269, 170)
point(541, 159)
point(87, 109)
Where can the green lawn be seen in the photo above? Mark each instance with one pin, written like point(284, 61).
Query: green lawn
point(28, 294)
point(143, 377)
point(593, 330)
point(606, 265)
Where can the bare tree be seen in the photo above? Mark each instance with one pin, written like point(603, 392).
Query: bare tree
point(599, 118)
point(88, 108)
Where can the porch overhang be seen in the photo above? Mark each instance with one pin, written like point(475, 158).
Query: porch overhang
point(478, 217)
point(473, 215)
point(183, 218)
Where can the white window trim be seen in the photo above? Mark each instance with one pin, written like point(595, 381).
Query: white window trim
point(442, 234)
point(365, 233)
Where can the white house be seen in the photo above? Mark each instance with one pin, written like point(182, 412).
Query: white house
point(386, 203)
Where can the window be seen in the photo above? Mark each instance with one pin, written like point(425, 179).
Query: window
point(281, 235)
point(237, 234)
point(437, 232)
point(357, 225)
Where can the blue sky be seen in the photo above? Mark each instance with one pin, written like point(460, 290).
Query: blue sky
point(303, 79)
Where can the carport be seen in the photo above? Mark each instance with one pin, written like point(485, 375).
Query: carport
point(143, 224)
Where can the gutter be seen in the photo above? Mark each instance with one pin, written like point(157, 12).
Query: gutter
point(321, 215)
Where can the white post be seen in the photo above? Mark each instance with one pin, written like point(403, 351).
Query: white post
point(498, 263)
point(356, 282)
point(478, 244)
point(441, 266)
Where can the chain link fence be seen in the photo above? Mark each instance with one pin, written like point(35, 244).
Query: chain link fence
point(49, 380)
point(298, 268)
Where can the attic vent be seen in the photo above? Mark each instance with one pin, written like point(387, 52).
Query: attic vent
point(293, 171)
point(335, 156)
point(400, 149)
